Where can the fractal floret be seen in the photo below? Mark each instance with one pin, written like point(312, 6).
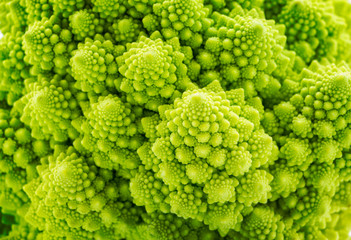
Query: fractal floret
point(175, 119)
point(207, 152)
point(93, 65)
point(153, 71)
point(111, 132)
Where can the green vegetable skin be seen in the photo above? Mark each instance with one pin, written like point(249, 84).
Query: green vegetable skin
point(175, 119)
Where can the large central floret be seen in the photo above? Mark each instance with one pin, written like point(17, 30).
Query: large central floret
point(206, 154)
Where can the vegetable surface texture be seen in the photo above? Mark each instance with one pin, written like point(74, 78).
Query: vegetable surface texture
point(175, 120)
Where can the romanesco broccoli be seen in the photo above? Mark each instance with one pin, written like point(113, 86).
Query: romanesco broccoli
point(175, 119)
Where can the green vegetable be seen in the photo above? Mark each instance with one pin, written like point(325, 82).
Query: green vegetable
point(175, 119)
